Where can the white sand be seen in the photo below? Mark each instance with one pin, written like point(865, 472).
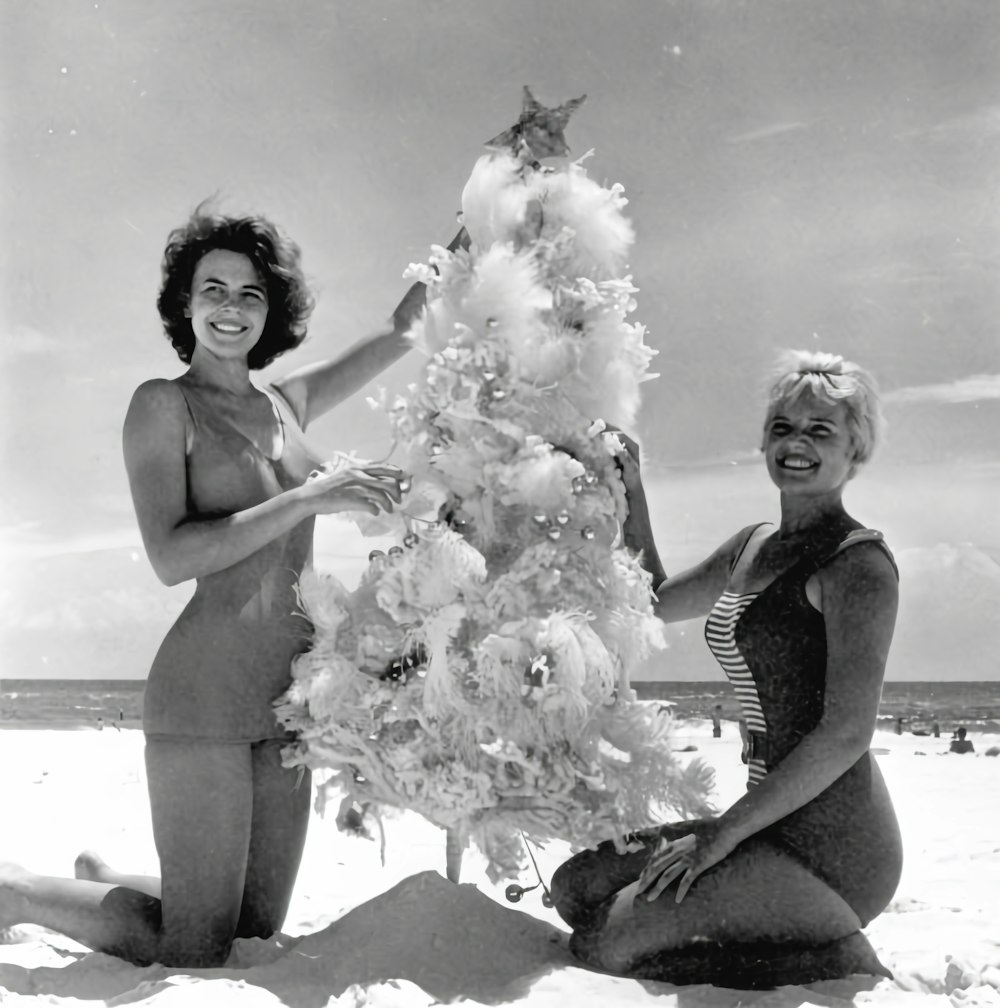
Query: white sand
point(428, 942)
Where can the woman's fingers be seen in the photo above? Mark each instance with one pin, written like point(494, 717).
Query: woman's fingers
point(630, 445)
point(685, 883)
point(358, 494)
point(670, 860)
point(374, 488)
point(663, 857)
point(381, 486)
point(374, 470)
point(665, 879)
point(389, 477)
point(381, 470)
point(372, 479)
point(379, 496)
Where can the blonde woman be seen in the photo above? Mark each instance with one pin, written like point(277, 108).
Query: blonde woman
point(800, 615)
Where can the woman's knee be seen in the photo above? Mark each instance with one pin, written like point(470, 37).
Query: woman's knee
point(581, 884)
point(573, 883)
point(564, 894)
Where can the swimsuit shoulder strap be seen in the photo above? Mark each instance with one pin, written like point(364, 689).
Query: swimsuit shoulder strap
point(855, 537)
point(192, 419)
point(283, 405)
point(745, 535)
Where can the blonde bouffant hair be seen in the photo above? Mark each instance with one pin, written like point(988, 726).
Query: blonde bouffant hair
point(831, 378)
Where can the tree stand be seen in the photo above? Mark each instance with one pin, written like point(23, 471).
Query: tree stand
point(455, 841)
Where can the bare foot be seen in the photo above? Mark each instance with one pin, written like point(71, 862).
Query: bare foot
point(14, 885)
point(91, 866)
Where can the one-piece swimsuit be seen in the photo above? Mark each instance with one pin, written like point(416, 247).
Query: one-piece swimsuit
point(772, 646)
point(228, 656)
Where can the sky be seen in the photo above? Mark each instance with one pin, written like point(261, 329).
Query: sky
point(800, 174)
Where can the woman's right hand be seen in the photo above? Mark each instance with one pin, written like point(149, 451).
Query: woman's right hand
point(372, 488)
point(626, 459)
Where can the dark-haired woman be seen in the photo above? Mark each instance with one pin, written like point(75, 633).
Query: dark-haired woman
point(220, 478)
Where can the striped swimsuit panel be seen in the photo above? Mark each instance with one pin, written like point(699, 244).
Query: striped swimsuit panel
point(720, 633)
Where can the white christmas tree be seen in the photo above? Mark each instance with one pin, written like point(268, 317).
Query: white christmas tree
point(480, 672)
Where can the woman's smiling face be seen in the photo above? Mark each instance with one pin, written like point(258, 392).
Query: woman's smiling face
point(808, 446)
point(228, 303)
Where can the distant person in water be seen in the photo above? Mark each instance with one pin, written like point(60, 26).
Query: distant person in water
point(717, 721)
point(959, 743)
point(800, 616)
point(226, 492)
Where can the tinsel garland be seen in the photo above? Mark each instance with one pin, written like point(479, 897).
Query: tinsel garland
point(479, 674)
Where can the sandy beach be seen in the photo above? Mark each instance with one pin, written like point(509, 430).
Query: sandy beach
point(363, 933)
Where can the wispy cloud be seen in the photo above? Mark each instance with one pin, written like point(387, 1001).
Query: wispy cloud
point(27, 540)
point(983, 121)
point(736, 457)
point(980, 122)
point(971, 389)
point(24, 341)
point(766, 132)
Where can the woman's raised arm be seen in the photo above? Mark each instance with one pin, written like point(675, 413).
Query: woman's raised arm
point(317, 388)
point(694, 591)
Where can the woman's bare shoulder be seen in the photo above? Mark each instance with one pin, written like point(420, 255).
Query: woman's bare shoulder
point(157, 411)
point(862, 567)
point(156, 394)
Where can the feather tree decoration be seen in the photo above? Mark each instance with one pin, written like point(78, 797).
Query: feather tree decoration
point(480, 672)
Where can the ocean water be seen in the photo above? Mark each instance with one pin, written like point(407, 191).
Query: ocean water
point(974, 705)
point(92, 703)
point(71, 703)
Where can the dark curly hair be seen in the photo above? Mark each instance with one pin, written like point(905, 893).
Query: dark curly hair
point(277, 261)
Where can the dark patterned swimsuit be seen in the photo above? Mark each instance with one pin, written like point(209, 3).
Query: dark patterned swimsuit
point(772, 646)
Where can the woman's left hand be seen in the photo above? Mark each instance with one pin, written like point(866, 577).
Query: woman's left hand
point(625, 452)
point(685, 858)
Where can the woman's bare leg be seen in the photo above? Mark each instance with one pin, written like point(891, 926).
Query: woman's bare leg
point(91, 866)
point(201, 798)
point(278, 832)
point(280, 817)
point(758, 894)
point(109, 918)
point(281, 807)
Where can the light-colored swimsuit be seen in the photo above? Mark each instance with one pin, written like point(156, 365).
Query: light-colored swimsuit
point(228, 656)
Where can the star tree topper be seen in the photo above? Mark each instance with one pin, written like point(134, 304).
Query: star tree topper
point(539, 129)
